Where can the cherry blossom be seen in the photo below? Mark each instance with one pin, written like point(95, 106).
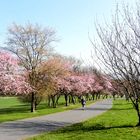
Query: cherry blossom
point(12, 80)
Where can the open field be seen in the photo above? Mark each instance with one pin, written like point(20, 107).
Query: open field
point(11, 109)
point(116, 124)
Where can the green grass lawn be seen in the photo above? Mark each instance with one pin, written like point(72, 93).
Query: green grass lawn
point(12, 109)
point(116, 124)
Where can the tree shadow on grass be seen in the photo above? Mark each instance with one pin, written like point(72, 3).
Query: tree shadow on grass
point(96, 127)
point(15, 109)
point(23, 108)
point(117, 109)
point(123, 103)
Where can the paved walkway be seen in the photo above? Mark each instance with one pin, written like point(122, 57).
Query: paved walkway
point(17, 130)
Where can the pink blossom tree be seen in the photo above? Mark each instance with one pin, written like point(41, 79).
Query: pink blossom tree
point(12, 81)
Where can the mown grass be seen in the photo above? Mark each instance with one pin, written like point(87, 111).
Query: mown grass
point(116, 124)
point(12, 109)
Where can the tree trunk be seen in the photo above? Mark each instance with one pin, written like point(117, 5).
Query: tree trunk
point(96, 96)
point(114, 96)
point(93, 96)
point(33, 102)
point(36, 105)
point(138, 113)
point(53, 101)
point(73, 99)
point(70, 99)
point(66, 100)
point(49, 101)
point(138, 124)
point(99, 96)
point(57, 99)
point(103, 96)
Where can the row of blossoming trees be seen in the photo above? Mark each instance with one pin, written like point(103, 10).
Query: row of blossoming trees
point(55, 77)
point(29, 68)
point(59, 78)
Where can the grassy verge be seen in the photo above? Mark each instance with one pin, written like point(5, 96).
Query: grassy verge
point(116, 124)
point(11, 109)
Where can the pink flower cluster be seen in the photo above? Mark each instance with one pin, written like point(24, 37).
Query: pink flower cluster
point(83, 84)
point(11, 79)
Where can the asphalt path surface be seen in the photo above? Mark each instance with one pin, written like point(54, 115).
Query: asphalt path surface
point(21, 129)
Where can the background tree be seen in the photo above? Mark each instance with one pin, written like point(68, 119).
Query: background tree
point(32, 45)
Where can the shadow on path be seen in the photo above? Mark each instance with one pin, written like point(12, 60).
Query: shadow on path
point(30, 127)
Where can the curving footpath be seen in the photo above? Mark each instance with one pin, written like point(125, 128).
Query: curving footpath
point(17, 130)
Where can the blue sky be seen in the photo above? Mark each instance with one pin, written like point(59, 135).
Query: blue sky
point(72, 19)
